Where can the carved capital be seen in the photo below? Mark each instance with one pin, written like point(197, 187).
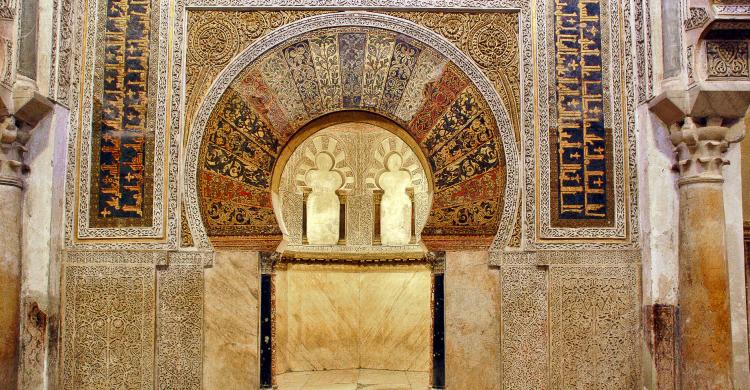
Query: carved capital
point(12, 149)
point(268, 261)
point(700, 148)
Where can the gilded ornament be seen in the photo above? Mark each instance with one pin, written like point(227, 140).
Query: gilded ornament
point(213, 42)
point(491, 47)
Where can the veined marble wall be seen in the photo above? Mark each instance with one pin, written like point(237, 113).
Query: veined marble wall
point(231, 320)
point(333, 316)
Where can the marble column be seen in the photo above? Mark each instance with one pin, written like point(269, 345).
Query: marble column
point(11, 196)
point(705, 345)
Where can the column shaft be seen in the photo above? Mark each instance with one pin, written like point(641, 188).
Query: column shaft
point(706, 337)
point(10, 283)
point(704, 333)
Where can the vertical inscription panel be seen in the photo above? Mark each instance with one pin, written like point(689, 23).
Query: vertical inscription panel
point(108, 327)
point(179, 360)
point(594, 327)
point(582, 167)
point(122, 128)
point(116, 187)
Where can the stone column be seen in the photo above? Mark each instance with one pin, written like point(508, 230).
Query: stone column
point(11, 196)
point(705, 343)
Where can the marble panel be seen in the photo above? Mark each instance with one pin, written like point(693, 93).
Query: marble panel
point(395, 318)
point(334, 317)
point(418, 380)
point(323, 318)
point(354, 379)
point(280, 314)
point(472, 322)
point(320, 378)
point(341, 386)
point(382, 377)
point(230, 355)
point(293, 380)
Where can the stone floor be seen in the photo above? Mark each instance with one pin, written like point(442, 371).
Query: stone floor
point(353, 380)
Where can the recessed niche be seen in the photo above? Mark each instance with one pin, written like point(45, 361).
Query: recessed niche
point(352, 187)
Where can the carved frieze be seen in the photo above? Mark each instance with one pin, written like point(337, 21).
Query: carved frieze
point(524, 327)
point(727, 59)
point(698, 18)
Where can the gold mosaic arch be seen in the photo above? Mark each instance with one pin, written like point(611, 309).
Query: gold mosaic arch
point(372, 71)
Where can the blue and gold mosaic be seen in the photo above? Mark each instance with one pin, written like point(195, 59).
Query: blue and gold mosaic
point(123, 142)
point(581, 166)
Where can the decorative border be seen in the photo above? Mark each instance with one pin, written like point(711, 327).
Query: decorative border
point(354, 4)
point(78, 174)
point(549, 258)
point(115, 257)
point(157, 257)
point(360, 19)
point(642, 32)
point(733, 10)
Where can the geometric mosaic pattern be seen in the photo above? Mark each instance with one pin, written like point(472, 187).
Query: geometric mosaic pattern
point(352, 68)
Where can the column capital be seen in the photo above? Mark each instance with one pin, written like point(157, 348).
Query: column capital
point(700, 146)
point(12, 149)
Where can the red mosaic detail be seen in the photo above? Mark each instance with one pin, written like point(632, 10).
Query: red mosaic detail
point(485, 186)
point(220, 188)
point(438, 97)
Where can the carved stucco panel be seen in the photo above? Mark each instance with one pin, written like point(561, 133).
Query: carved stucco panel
point(108, 327)
point(595, 327)
point(524, 327)
point(179, 360)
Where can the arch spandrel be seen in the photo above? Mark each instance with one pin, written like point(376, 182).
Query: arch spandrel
point(377, 64)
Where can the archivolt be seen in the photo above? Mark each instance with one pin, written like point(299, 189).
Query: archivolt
point(472, 138)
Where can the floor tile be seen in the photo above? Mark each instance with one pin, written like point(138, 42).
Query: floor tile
point(382, 377)
point(339, 386)
point(333, 377)
point(418, 380)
